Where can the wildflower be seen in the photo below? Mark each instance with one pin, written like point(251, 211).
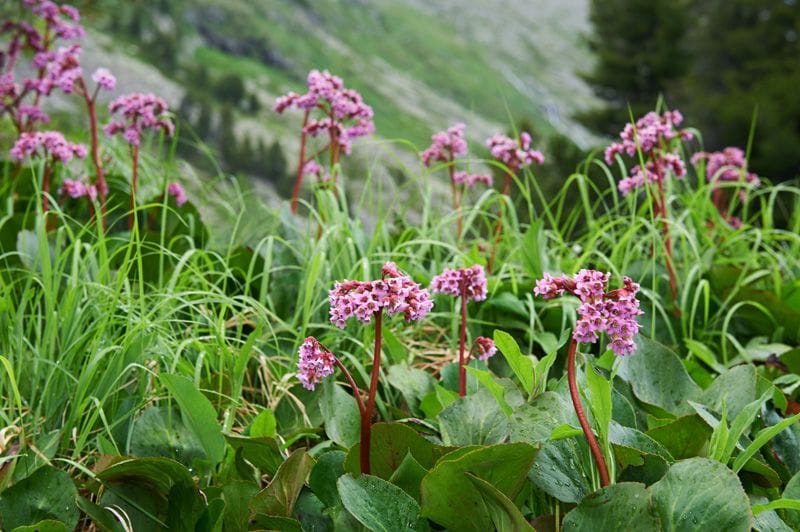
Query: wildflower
point(396, 293)
point(104, 79)
point(613, 312)
point(471, 282)
point(515, 154)
point(470, 180)
point(726, 165)
point(484, 348)
point(447, 145)
point(139, 112)
point(77, 188)
point(315, 363)
point(50, 144)
point(175, 190)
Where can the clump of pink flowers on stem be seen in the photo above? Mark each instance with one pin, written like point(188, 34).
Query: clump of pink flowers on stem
point(469, 284)
point(446, 147)
point(727, 165)
point(52, 148)
point(55, 69)
point(657, 138)
point(329, 108)
point(394, 293)
point(138, 112)
point(515, 155)
point(613, 312)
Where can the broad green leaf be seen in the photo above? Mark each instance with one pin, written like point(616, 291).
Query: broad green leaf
point(563, 469)
point(389, 445)
point(436, 401)
point(494, 387)
point(263, 426)
point(408, 476)
point(446, 492)
point(378, 504)
point(735, 387)
point(46, 495)
point(311, 512)
point(521, 365)
point(322, 481)
point(701, 494)
point(535, 422)
point(160, 431)
point(340, 411)
point(264, 453)
point(275, 522)
point(658, 377)
point(792, 491)
point(684, 437)
point(414, 384)
point(48, 525)
point(279, 497)
point(198, 414)
point(639, 442)
point(623, 506)
point(237, 496)
point(473, 419)
point(600, 401)
point(505, 515)
point(102, 518)
point(564, 431)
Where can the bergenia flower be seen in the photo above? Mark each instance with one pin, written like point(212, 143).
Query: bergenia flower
point(395, 292)
point(515, 154)
point(470, 180)
point(652, 134)
point(726, 165)
point(447, 145)
point(613, 312)
point(175, 190)
point(104, 79)
point(484, 348)
point(315, 363)
point(139, 112)
point(471, 282)
point(46, 144)
point(77, 188)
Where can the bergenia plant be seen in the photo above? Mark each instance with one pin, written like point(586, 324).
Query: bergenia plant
point(394, 293)
point(446, 147)
point(727, 165)
point(52, 148)
point(469, 284)
point(138, 113)
point(514, 155)
point(328, 108)
point(55, 69)
point(612, 312)
point(657, 138)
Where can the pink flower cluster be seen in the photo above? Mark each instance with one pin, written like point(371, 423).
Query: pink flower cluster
point(469, 281)
point(175, 190)
point(726, 165)
point(484, 348)
point(395, 292)
point(54, 16)
point(346, 116)
point(315, 363)
point(311, 168)
point(48, 144)
point(514, 154)
point(447, 145)
point(139, 112)
point(470, 180)
point(613, 312)
point(78, 188)
point(652, 134)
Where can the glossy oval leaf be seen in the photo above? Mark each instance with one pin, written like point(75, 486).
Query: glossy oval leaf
point(377, 504)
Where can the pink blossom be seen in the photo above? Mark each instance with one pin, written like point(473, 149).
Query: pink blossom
point(139, 112)
point(470, 180)
point(484, 348)
point(471, 282)
point(77, 188)
point(175, 190)
point(447, 145)
point(315, 363)
point(104, 79)
point(613, 312)
point(395, 292)
point(46, 144)
point(515, 154)
point(726, 165)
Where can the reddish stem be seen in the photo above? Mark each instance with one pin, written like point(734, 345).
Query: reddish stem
point(673, 279)
point(462, 370)
point(498, 230)
point(134, 179)
point(600, 461)
point(100, 176)
point(456, 199)
point(299, 179)
point(366, 417)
